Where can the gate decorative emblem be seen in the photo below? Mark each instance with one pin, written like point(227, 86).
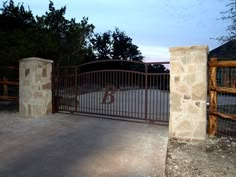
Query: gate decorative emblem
point(109, 96)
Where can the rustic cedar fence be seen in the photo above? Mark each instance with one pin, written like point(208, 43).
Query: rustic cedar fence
point(214, 89)
point(9, 84)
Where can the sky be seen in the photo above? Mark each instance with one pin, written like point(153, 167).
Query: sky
point(154, 25)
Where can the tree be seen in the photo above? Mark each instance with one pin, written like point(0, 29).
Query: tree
point(102, 44)
point(16, 24)
point(72, 38)
point(52, 36)
point(48, 36)
point(115, 45)
point(229, 14)
point(123, 48)
point(15, 17)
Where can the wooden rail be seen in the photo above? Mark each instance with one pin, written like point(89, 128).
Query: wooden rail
point(214, 63)
point(213, 89)
point(5, 83)
point(4, 95)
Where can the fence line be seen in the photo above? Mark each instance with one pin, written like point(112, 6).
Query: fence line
point(213, 90)
point(5, 83)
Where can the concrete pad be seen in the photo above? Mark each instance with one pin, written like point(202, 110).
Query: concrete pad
point(62, 145)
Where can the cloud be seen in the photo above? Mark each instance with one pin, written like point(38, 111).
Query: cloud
point(154, 53)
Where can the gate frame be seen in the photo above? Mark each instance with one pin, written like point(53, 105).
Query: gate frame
point(57, 74)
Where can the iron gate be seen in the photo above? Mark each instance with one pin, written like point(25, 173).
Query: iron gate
point(116, 88)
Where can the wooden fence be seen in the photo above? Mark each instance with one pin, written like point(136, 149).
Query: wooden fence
point(6, 84)
point(214, 89)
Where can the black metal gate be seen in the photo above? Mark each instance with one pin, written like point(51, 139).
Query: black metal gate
point(115, 88)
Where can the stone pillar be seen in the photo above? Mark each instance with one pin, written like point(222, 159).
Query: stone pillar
point(35, 87)
point(188, 92)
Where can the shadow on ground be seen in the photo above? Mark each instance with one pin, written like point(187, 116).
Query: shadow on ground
point(65, 145)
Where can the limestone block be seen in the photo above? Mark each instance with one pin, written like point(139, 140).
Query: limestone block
point(22, 109)
point(29, 110)
point(192, 68)
point(49, 107)
point(184, 135)
point(199, 59)
point(187, 97)
point(183, 89)
point(175, 102)
point(44, 72)
point(27, 72)
point(199, 133)
point(192, 109)
point(199, 91)
point(47, 86)
point(176, 67)
point(189, 79)
point(184, 125)
point(177, 79)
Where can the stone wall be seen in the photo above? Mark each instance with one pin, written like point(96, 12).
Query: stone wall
point(188, 92)
point(35, 87)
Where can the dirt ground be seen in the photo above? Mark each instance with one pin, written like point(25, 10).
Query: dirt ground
point(214, 158)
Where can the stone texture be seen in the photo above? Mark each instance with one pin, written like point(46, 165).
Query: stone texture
point(177, 79)
point(182, 88)
point(22, 108)
point(44, 74)
point(198, 104)
point(193, 109)
point(192, 68)
point(35, 87)
point(198, 133)
point(177, 67)
point(184, 135)
point(184, 126)
point(38, 94)
point(187, 97)
point(29, 110)
point(49, 108)
point(47, 86)
point(175, 102)
point(27, 71)
point(199, 91)
point(189, 78)
point(188, 92)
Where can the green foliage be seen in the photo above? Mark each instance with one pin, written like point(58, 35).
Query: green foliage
point(15, 24)
point(102, 44)
point(116, 45)
point(65, 41)
point(48, 36)
point(123, 48)
point(15, 17)
point(52, 36)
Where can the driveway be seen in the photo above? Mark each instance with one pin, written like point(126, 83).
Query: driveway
point(62, 145)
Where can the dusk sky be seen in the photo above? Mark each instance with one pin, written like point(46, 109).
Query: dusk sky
point(154, 25)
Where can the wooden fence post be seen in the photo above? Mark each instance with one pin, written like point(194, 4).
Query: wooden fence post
point(5, 87)
point(212, 98)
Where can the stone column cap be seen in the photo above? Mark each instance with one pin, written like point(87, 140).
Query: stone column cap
point(172, 49)
point(36, 59)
